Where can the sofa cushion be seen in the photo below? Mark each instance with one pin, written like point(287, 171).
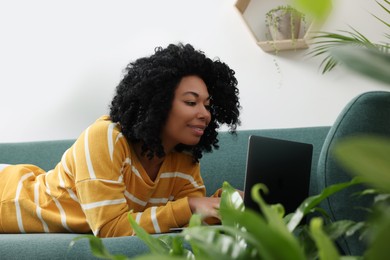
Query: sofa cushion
point(368, 113)
point(58, 246)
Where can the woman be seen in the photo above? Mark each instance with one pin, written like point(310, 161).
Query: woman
point(143, 158)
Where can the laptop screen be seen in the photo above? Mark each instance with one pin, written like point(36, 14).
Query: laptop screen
point(283, 166)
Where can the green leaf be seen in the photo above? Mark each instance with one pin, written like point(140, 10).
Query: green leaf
point(342, 228)
point(159, 257)
point(319, 9)
point(382, 198)
point(177, 248)
point(386, 10)
point(154, 244)
point(368, 157)
point(212, 244)
point(274, 213)
point(269, 237)
point(195, 221)
point(311, 202)
point(197, 234)
point(336, 48)
point(379, 247)
point(97, 247)
point(366, 61)
point(267, 229)
point(326, 42)
point(230, 199)
point(326, 248)
point(176, 245)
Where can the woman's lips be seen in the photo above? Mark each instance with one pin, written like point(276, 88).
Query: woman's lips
point(198, 130)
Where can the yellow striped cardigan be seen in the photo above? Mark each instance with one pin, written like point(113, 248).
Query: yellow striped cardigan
point(98, 181)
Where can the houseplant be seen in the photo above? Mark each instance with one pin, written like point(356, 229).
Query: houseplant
point(364, 50)
point(284, 22)
point(364, 155)
point(245, 234)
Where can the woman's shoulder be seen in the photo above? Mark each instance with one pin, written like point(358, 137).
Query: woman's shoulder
point(103, 120)
point(104, 132)
point(103, 125)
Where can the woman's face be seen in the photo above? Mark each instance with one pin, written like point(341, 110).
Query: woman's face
point(189, 115)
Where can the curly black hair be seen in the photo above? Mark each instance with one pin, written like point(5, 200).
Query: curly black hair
point(144, 97)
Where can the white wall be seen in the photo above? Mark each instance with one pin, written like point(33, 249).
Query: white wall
point(60, 61)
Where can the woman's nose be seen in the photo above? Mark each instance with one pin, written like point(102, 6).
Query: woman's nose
point(204, 113)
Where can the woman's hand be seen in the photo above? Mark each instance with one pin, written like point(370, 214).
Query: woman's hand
point(205, 206)
point(208, 206)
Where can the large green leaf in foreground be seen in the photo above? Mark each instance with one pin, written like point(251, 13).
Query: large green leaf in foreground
point(315, 8)
point(367, 156)
point(369, 62)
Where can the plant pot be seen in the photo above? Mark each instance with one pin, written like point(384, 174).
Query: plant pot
point(284, 24)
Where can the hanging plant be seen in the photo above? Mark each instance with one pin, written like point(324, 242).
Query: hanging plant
point(284, 22)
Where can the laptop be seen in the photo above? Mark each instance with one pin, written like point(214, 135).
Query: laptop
point(283, 166)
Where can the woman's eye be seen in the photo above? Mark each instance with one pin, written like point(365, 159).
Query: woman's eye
point(190, 103)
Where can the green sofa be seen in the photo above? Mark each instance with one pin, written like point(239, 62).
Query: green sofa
point(369, 112)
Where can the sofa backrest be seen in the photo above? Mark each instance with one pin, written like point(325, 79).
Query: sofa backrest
point(45, 154)
point(368, 113)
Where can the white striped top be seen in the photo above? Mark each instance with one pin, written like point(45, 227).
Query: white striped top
point(98, 181)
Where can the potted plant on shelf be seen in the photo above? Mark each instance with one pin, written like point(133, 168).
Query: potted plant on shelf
point(284, 22)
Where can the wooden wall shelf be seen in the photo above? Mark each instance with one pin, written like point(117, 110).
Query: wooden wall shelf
point(253, 14)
